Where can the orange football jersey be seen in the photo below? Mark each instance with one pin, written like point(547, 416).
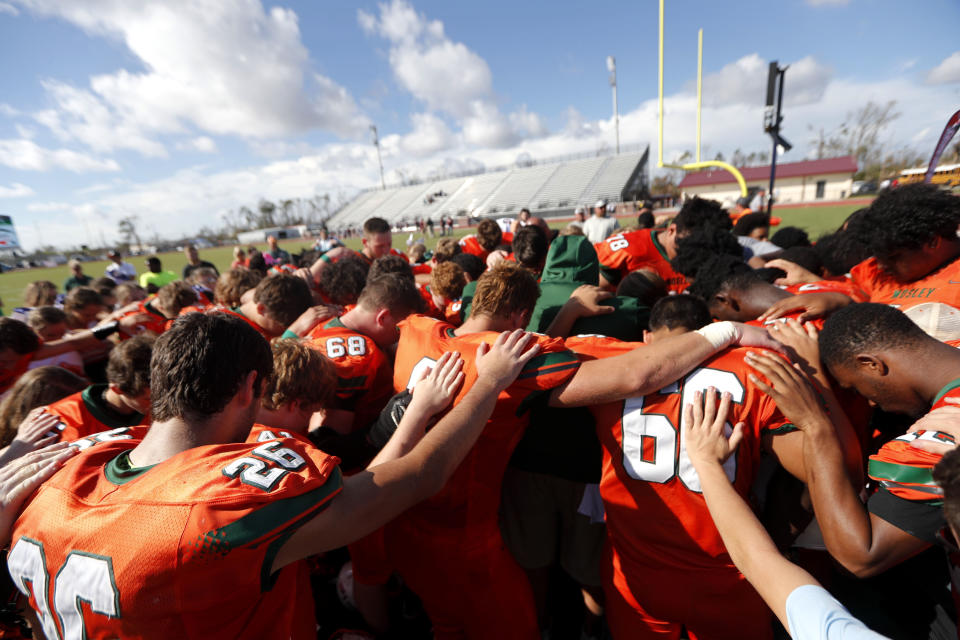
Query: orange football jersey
point(364, 372)
point(182, 549)
point(625, 252)
point(906, 471)
point(467, 506)
point(845, 287)
point(656, 514)
point(430, 307)
point(158, 322)
point(85, 412)
point(451, 312)
point(470, 244)
point(940, 287)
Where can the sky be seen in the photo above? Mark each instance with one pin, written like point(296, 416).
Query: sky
point(178, 111)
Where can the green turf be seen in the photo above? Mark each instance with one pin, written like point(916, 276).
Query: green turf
point(816, 220)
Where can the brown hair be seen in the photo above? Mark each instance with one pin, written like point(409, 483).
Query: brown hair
point(375, 225)
point(505, 289)
point(173, 297)
point(285, 297)
point(129, 365)
point(41, 317)
point(299, 374)
point(129, 292)
point(18, 336)
point(489, 234)
point(35, 388)
point(81, 297)
point(390, 264)
point(40, 293)
point(393, 292)
point(416, 252)
point(234, 283)
point(446, 249)
point(199, 364)
point(448, 280)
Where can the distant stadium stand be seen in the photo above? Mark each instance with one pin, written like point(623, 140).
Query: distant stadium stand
point(548, 188)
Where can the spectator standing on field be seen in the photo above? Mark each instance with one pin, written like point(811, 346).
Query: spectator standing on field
point(118, 270)
point(280, 256)
point(600, 227)
point(77, 278)
point(193, 262)
point(156, 277)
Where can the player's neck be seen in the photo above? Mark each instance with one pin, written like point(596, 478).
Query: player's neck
point(357, 319)
point(477, 323)
point(170, 437)
point(941, 366)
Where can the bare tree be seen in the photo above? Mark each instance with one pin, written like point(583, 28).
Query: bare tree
point(128, 230)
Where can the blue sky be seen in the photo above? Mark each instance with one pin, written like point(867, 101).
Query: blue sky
point(178, 112)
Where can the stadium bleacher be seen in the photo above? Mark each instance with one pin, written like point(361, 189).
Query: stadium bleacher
point(547, 188)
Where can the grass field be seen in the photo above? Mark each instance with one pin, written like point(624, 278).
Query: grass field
point(816, 220)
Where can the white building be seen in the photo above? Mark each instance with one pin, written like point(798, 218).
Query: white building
point(807, 181)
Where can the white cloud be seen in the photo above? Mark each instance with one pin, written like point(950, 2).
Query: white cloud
point(222, 66)
point(7, 110)
point(9, 9)
point(528, 123)
point(29, 156)
point(947, 71)
point(44, 207)
point(429, 135)
point(203, 144)
point(16, 190)
point(744, 81)
point(446, 76)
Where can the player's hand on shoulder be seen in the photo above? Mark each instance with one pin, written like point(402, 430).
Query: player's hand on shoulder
point(37, 430)
point(789, 388)
point(811, 305)
point(19, 479)
point(587, 298)
point(704, 423)
point(801, 343)
point(795, 274)
point(312, 317)
point(944, 420)
point(500, 364)
point(746, 335)
point(437, 387)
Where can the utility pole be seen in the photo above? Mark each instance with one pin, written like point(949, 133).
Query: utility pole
point(772, 120)
point(376, 143)
point(612, 68)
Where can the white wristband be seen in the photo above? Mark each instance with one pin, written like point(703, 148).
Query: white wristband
point(719, 334)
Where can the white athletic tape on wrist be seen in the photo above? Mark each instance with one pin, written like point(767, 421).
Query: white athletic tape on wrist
point(719, 334)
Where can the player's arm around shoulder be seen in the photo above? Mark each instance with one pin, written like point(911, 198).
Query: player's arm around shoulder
point(373, 497)
point(652, 367)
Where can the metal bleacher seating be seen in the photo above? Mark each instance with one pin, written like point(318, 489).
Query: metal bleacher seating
point(545, 188)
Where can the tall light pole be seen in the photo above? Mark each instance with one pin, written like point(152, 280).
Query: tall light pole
point(612, 68)
point(376, 143)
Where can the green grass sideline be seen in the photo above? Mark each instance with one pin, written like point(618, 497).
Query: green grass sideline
point(816, 220)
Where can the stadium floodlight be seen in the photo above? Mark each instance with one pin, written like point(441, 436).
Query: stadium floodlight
point(612, 68)
point(376, 143)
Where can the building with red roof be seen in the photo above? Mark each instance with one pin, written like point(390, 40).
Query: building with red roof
point(805, 181)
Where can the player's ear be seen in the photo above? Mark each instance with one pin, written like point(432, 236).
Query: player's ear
point(383, 317)
point(647, 337)
point(871, 364)
point(249, 391)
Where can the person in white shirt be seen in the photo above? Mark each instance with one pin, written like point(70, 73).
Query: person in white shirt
point(805, 608)
point(599, 227)
point(120, 271)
